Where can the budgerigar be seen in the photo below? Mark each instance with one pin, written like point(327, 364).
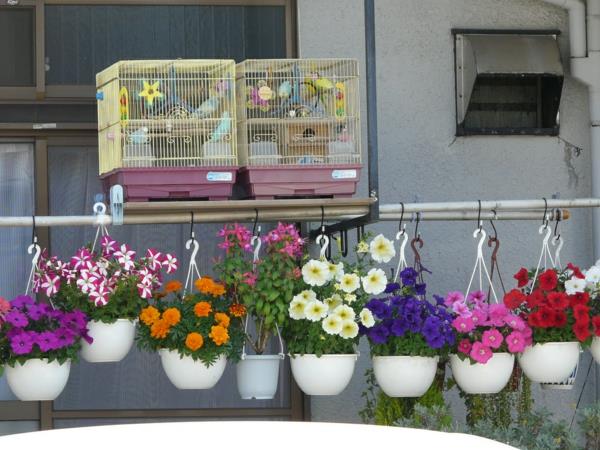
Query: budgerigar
point(139, 136)
point(222, 129)
point(207, 108)
point(285, 89)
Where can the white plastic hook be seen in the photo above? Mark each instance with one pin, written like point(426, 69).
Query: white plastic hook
point(545, 254)
point(323, 241)
point(193, 266)
point(256, 242)
point(99, 209)
point(402, 264)
point(34, 262)
point(558, 242)
point(480, 265)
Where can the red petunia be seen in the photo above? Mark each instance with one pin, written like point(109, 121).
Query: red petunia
point(579, 298)
point(560, 319)
point(547, 318)
point(536, 298)
point(576, 272)
point(514, 298)
point(596, 324)
point(548, 280)
point(534, 319)
point(522, 277)
point(557, 300)
point(582, 331)
point(581, 313)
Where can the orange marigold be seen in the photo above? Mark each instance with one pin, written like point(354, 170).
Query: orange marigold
point(237, 310)
point(202, 309)
point(204, 285)
point(219, 334)
point(172, 316)
point(160, 329)
point(194, 341)
point(173, 286)
point(149, 315)
point(217, 290)
point(222, 319)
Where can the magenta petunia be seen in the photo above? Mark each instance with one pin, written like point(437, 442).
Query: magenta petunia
point(492, 338)
point(17, 319)
point(21, 344)
point(516, 342)
point(480, 352)
point(464, 346)
point(454, 297)
point(463, 324)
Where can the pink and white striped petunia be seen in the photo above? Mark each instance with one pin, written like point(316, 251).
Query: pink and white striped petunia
point(125, 256)
point(100, 295)
point(170, 262)
point(144, 290)
point(81, 258)
point(50, 284)
point(155, 259)
point(109, 245)
point(87, 281)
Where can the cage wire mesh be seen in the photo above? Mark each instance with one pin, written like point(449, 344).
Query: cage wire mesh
point(298, 111)
point(168, 113)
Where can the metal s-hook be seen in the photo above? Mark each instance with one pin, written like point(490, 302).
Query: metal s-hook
point(401, 229)
point(192, 236)
point(479, 222)
point(255, 222)
point(545, 218)
point(344, 242)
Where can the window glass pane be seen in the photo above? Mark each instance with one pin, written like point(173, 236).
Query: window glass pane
point(16, 47)
point(137, 382)
point(83, 40)
point(16, 199)
point(18, 426)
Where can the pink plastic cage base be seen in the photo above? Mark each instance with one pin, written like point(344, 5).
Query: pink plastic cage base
point(162, 183)
point(285, 181)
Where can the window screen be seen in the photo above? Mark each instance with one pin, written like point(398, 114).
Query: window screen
point(17, 47)
point(83, 40)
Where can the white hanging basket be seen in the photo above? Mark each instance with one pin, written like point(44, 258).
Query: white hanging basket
point(565, 385)
point(258, 376)
point(595, 349)
point(112, 341)
point(325, 375)
point(405, 376)
point(552, 362)
point(488, 378)
point(185, 373)
point(38, 379)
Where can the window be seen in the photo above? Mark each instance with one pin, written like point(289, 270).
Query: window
point(17, 47)
point(507, 83)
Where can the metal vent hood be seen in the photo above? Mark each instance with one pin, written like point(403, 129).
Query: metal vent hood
point(487, 54)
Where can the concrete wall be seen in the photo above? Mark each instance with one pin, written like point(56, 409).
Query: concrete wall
point(419, 157)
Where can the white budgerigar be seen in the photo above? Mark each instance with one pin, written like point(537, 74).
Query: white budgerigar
point(207, 108)
point(222, 129)
point(139, 136)
point(285, 89)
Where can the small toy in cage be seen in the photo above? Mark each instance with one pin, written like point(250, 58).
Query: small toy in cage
point(259, 96)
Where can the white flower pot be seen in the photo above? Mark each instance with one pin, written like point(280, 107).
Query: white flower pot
point(550, 363)
point(257, 376)
point(327, 375)
point(478, 378)
point(112, 341)
point(38, 379)
point(405, 376)
point(595, 349)
point(185, 373)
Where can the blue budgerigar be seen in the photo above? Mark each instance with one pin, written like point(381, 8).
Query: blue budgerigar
point(207, 108)
point(139, 136)
point(285, 89)
point(222, 129)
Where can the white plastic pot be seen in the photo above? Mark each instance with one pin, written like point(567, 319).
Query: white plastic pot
point(257, 376)
point(112, 341)
point(595, 349)
point(478, 378)
point(38, 379)
point(185, 373)
point(550, 363)
point(405, 376)
point(325, 375)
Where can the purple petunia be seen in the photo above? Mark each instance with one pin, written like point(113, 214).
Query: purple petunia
point(47, 341)
point(399, 327)
point(36, 312)
point(21, 301)
point(379, 308)
point(21, 344)
point(409, 276)
point(379, 334)
point(391, 287)
point(17, 319)
point(420, 288)
point(64, 337)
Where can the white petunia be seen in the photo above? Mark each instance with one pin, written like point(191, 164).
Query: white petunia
point(574, 285)
point(350, 298)
point(307, 296)
point(344, 312)
point(333, 302)
point(315, 310)
point(374, 282)
point(332, 324)
point(349, 329)
point(296, 309)
point(349, 282)
point(335, 270)
point(593, 275)
point(382, 249)
point(366, 318)
point(315, 273)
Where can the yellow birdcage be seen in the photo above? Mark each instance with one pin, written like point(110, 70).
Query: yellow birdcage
point(299, 127)
point(167, 128)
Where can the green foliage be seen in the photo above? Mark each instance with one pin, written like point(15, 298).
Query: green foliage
point(124, 303)
point(411, 344)
point(303, 337)
point(590, 426)
point(153, 318)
